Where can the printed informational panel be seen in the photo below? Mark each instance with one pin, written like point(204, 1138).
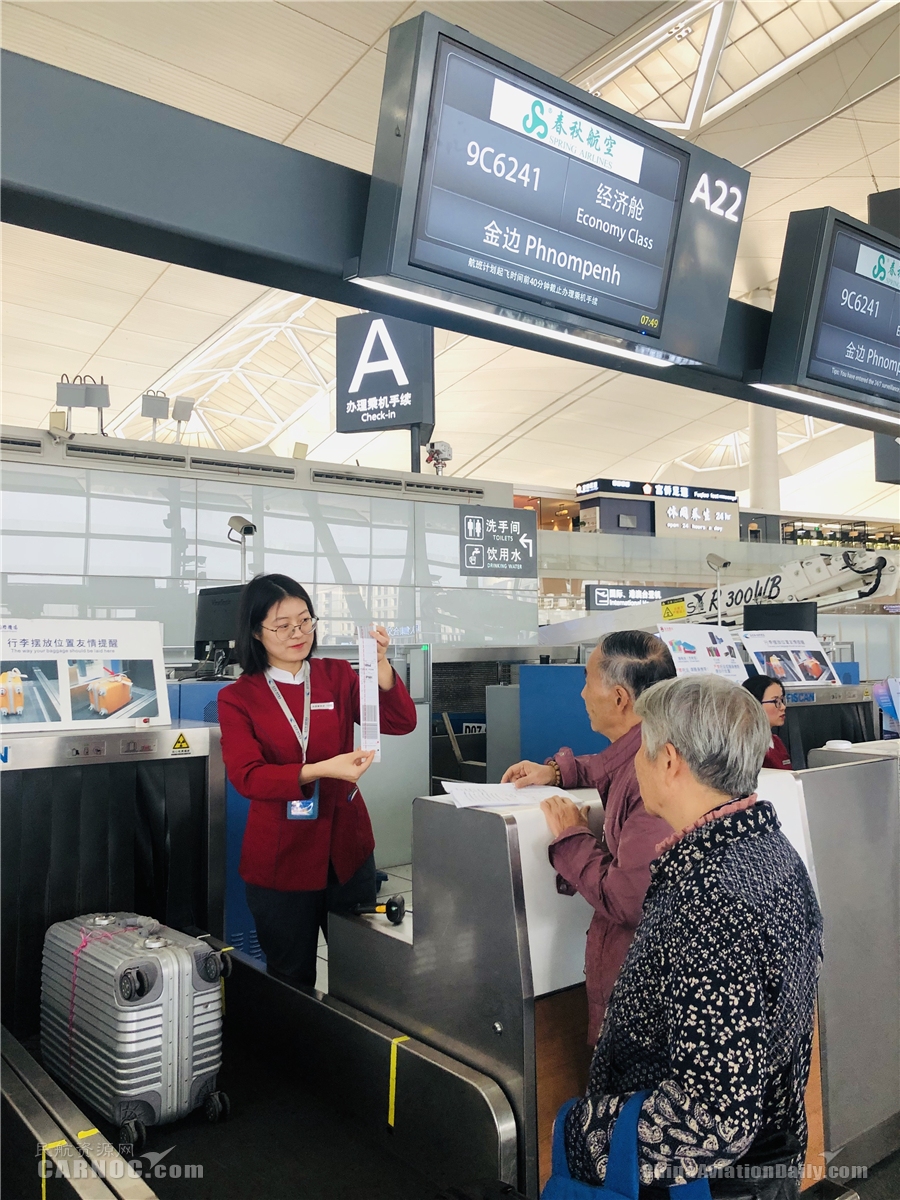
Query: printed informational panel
point(857, 338)
point(61, 674)
point(790, 656)
point(544, 198)
point(703, 650)
point(498, 541)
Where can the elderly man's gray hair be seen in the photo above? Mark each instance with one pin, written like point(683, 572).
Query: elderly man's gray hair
point(717, 727)
point(635, 660)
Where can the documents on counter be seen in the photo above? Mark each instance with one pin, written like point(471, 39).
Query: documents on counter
point(500, 795)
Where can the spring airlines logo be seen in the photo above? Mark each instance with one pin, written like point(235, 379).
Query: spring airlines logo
point(883, 268)
point(545, 122)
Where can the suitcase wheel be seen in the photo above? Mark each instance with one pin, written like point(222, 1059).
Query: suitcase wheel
point(133, 983)
point(133, 1134)
point(217, 1107)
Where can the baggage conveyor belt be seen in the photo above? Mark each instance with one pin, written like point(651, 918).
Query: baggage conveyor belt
point(314, 1086)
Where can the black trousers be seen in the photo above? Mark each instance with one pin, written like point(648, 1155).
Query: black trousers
point(288, 923)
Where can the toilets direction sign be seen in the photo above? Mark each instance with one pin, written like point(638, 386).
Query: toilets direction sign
point(498, 542)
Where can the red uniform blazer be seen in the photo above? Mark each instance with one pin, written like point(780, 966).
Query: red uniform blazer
point(777, 756)
point(263, 760)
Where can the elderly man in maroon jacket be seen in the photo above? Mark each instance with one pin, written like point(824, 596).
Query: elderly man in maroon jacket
point(613, 873)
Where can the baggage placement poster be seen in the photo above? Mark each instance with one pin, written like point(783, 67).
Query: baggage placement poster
point(71, 674)
point(789, 655)
point(703, 650)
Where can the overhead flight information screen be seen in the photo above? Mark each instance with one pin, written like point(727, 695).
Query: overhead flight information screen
point(527, 192)
point(857, 338)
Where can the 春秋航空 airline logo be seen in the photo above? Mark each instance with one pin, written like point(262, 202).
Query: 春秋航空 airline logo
point(883, 268)
point(537, 118)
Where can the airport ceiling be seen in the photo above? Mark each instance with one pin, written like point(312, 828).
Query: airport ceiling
point(804, 93)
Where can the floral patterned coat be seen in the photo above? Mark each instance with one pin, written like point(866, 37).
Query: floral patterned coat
point(713, 1008)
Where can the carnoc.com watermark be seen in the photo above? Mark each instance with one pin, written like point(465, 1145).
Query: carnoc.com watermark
point(107, 1162)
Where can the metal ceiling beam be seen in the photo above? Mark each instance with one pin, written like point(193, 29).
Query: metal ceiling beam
point(91, 162)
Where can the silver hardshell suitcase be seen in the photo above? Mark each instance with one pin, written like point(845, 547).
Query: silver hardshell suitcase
point(131, 1019)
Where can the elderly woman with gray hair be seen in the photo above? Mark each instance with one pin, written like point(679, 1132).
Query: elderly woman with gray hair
point(712, 1012)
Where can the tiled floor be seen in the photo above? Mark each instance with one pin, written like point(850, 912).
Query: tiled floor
point(399, 883)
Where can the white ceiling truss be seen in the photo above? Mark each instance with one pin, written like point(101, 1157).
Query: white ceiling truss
point(711, 57)
point(733, 450)
point(262, 372)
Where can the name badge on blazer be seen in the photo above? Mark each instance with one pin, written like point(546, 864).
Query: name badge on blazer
point(304, 810)
point(322, 707)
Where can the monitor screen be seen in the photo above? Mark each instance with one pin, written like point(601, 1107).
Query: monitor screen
point(857, 337)
point(217, 615)
point(506, 195)
point(803, 615)
point(534, 194)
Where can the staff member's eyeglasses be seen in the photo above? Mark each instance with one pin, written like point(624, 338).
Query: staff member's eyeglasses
point(779, 703)
point(285, 632)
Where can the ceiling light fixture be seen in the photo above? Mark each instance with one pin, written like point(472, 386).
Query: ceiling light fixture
point(556, 335)
point(808, 398)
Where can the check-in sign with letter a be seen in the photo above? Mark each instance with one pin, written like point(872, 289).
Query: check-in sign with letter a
point(385, 373)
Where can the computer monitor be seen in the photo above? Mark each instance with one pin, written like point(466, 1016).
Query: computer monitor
point(217, 617)
point(802, 615)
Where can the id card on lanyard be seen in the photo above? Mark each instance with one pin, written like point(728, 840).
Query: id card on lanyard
point(303, 809)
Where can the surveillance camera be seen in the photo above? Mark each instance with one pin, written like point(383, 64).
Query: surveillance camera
point(242, 526)
point(440, 449)
point(716, 563)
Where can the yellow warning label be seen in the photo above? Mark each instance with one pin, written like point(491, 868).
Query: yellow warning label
point(674, 611)
point(182, 746)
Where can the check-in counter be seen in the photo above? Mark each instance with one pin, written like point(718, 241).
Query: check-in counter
point(489, 966)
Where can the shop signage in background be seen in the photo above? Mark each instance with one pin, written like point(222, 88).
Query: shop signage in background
point(790, 656)
point(703, 650)
point(697, 518)
point(601, 596)
point(84, 675)
point(498, 542)
point(385, 373)
point(675, 491)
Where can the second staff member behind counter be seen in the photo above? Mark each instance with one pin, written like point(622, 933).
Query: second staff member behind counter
point(287, 742)
point(613, 874)
point(770, 693)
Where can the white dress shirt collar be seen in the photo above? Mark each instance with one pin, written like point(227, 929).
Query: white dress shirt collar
point(278, 676)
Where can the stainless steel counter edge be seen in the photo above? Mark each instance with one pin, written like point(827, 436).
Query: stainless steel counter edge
point(56, 748)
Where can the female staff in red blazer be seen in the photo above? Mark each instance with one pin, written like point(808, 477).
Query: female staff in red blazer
point(308, 846)
point(770, 693)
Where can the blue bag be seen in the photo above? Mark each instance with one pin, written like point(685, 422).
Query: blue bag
point(622, 1176)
